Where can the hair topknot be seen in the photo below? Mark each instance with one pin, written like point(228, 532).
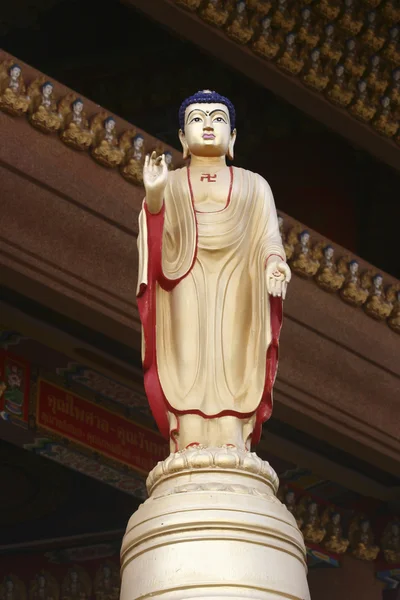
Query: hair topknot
point(206, 97)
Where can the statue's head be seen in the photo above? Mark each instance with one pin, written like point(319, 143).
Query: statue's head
point(362, 85)
point(364, 525)
point(15, 70)
point(168, 157)
point(47, 88)
point(353, 266)
point(385, 101)
point(371, 16)
point(109, 124)
point(394, 32)
point(304, 237)
point(240, 6)
point(306, 13)
point(328, 252)
point(290, 497)
point(315, 54)
point(207, 125)
point(396, 74)
point(335, 518)
point(339, 70)
point(329, 29)
point(375, 60)
point(266, 22)
point(138, 141)
point(378, 280)
point(77, 106)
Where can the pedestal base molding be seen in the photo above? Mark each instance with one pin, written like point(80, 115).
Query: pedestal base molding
point(210, 531)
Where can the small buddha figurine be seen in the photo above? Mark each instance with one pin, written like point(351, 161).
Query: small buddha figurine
point(330, 50)
point(314, 76)
point(13, 97)
point(334, 540)
point(282, 18)
point(338, 91)
point(391, 11)
point(288, 241)
point(291, 61)
point(385, 122)
point(362, 540)
point(304, 263)
point(288, 498)
point(353, 292)
point(239, 29)
point(107, 582)
point(44, 587)
point(76, 585)
point(349, 21)
point(307, 33)
point(362, 107)
point(394, 88)
point(393, 295)
point(265, 45)
point(376, 82)
point(328, 9)
point(75, 131)
point(391, 542)
point(328, 276)
point(12, 588)
point(370, 37)
point(214, 13)
point(132, 168)
point(354, 65)
point(43, 112)
point(377, 306)
point(191, 5)
point(391, 50)
point(312, 529)
point(106, 150)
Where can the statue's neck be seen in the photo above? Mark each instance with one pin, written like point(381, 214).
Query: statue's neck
point(202, 162)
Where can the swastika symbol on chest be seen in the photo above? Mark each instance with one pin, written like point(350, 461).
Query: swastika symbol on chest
point(209, 178)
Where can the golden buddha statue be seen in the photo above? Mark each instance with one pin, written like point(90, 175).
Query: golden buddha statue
point(265, 45)
point(76, 585)
point(391, 50)
point(282, 18)
point(352, 292)
point(394, 88)
point(370, 38)
point(393, 295)
point(213, 230)
point(349, 22)
point(391, 12)
point(75, 130)
point(312, 528)
point(385, 122)
point(377, 305)
point(362, 540)
point(214, 13)
point(374, 77)
point(107, 582)
point(362, 108)
point(304, 263)
point(44, 587)
point(314, 75)
point(334, 540)
point(12, 588)
point(308, 34)
point(287, 496)
point(331, 50)
point(354, 64)
point(106, 150)
point(391, 542)
point(43, 111)
point(288, 240)
point(191, 5)
point(291, 60)
point(338, 91)
point(328, 9)
point(239, 29)
point(13, 97)
point(132, 166)
point(328, 277)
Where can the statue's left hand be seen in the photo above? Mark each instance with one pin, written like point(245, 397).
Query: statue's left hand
point(278, 275)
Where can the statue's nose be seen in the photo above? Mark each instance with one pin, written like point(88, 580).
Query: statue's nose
point(208, 127)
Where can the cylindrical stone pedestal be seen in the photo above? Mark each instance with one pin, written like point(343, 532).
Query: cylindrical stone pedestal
point(213, 528)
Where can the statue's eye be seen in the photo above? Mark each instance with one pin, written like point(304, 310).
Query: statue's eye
point(196, 120)
point(219, 120)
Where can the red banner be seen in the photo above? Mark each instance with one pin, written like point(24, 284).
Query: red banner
point(98, 428)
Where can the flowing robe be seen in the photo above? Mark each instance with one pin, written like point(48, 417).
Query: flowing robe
point(210, 328)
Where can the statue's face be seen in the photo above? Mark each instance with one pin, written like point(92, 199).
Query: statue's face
point(138, 143)
point(305, 237)
point(290, 39)
point(339, 70)
point(336, 519)
point(394, 32)
point(350, 44)
point(362, 86)
point(378, 281)
point(312, 508)
point(375, 60)
point(240, 7)
point(371, 16)
point(168, 158)
point(385, 101)
point(315, 55)
point(47, 90)
point(78, 107)
point(110, 125)
point(306, 14)
point(15, 72)
point(353, 267)
point(364, 526)
point(328, 253)
point(266, 23)
point(207, 129)
point(290, 497)
point(329, 30)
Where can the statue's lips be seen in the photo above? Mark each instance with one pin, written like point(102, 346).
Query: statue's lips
point(208, 136)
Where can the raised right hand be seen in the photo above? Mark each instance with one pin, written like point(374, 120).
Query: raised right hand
point(155, 174)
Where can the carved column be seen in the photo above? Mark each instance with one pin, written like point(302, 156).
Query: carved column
point(213, 528)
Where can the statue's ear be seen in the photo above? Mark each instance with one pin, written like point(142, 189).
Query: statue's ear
point(231, 145)
point(185, 147)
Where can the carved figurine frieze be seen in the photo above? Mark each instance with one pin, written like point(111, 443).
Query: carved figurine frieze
point(331, 50)
point(391, 12)
point(105, 148)
point(328, 277)
point(240, 29)
point(44, 587)
point(191, 5)
point(308, 33)
point(362, 107)
point(385, 121)
point(314, 75)
point(132, 167)
point(338, 91)
point(377, 81)
point(43, 111)
point(13, 96)
point(391, 49)
point(282, 18)
point(287, 496)
point(391, 542)
point(354, 63)
point(328, 9)
point(362, 539)
point(350, 22)
point(291, 60)
point(393, 295)
point(312, 528)
point(75, 130)
point(371, 38)
point(214, 12)
point(76, 584)
point(377, 305)
point(12, 588)
point(107, 582)
point(353, 291)
point(303, 262)
point(266, 45)
point(334, 540)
